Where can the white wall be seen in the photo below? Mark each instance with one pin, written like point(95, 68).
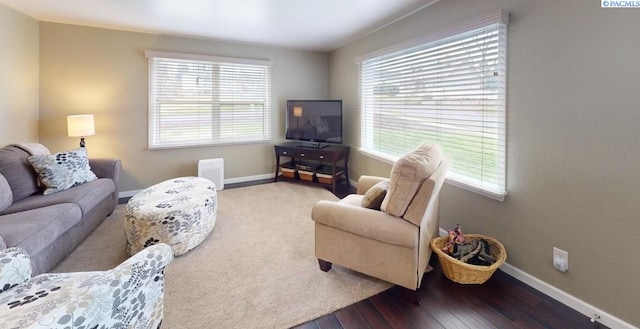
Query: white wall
point(573, 112)
point(18, 77)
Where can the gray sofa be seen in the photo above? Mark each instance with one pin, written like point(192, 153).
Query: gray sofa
point(50, 226)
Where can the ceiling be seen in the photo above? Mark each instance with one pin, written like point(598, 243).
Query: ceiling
point(319, 25)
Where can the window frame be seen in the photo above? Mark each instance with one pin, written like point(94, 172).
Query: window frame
point(498, 17)
point(217, 101)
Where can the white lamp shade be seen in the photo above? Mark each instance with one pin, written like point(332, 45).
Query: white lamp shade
point(297, 111)
point(80, 125)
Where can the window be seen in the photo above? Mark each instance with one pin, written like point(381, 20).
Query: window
point(448, 87)
point(199, 100)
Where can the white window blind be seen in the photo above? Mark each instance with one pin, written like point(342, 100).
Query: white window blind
point(199, 100)
point(448, 88)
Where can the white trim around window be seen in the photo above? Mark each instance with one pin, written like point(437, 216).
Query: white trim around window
point(447, 87)
point(200, 100)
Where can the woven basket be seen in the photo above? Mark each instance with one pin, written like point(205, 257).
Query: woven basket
point(461, 272)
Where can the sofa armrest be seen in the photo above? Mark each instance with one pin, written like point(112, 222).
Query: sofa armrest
point(366, 182)
point(15, 267)
point(108, 168)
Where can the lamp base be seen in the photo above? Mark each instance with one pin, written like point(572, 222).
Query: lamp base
point(82, 143)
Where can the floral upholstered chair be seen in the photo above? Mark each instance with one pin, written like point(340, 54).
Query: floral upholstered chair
point(128, 296)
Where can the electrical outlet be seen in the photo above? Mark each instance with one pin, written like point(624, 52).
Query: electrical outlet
point(560, 259)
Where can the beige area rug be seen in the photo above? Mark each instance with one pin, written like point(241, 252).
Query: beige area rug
point(256, 270)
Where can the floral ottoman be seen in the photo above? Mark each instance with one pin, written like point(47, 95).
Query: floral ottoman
point(180, 212)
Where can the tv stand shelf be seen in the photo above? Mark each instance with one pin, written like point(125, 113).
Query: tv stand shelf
point(313, 165)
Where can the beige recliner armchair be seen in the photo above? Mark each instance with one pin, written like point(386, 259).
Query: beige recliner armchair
point(391, 244)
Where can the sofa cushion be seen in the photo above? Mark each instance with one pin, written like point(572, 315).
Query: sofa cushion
point(62, 170)
point(18, 172)
point(87, 196)
point(373, 197)
point(407, 174)
point(6, 196)
point(34, 230)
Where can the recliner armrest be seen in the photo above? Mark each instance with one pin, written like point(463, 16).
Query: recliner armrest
point(368, 223)
point(15, 267)
point(366, 182)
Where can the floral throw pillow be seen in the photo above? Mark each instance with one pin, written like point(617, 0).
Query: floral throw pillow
point(62, 170)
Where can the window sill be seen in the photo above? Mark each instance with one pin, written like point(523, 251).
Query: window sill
point(488, 194)
point(448, 180)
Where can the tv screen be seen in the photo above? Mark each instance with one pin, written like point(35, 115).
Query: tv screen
point(317, 121)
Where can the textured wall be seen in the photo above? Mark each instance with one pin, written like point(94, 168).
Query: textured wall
point(18, 77)
point(104, 72)
point(572, 144)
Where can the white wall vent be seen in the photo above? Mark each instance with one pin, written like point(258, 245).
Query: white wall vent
point(213, 170)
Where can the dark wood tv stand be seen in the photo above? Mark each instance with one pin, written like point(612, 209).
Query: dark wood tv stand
point(313, 165)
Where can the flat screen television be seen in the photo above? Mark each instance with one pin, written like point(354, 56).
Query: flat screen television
point(316, 121)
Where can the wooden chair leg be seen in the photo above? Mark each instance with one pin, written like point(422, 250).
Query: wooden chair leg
point(411, 296)
point(324, 265)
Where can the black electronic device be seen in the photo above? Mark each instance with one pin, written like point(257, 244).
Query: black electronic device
point(314, 122)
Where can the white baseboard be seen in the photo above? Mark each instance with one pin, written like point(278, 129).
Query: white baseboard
point(563, 297)
point(126, 194)
point(567, 299)
point(248, 178)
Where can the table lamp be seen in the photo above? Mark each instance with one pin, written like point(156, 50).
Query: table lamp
point(80, 126)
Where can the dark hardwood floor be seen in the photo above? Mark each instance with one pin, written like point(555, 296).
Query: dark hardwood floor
point(501, 302)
